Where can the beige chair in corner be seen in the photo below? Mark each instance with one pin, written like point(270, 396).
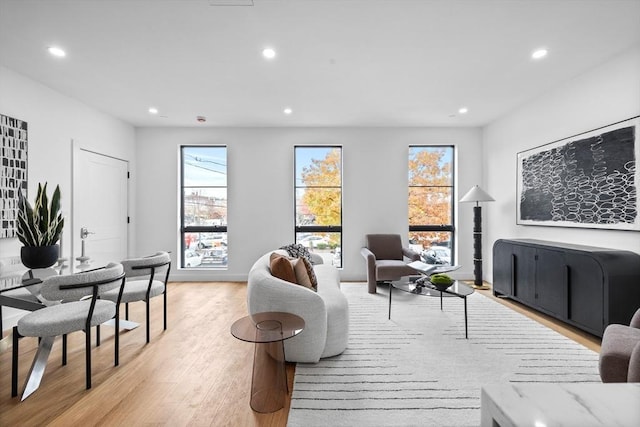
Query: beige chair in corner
point(620, 352)
point(385, 259)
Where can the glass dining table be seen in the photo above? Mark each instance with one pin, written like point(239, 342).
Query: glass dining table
point(20, 288)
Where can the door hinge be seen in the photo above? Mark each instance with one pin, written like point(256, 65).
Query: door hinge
point(128, 175)
point(128, 220)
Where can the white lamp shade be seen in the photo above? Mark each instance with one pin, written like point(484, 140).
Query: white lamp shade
point(477, 194)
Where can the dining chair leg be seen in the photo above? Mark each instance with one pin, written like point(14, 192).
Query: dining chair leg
point(165, 308)
point(14, 363)
point(97, 335)
point(64, 349)
point(87, 351)
point(148, 332)
point(116, 357)
point(126, 311)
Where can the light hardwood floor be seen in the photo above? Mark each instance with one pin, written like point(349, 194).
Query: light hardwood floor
point(195, 373)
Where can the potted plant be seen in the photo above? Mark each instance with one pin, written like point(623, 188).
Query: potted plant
point(39, 228)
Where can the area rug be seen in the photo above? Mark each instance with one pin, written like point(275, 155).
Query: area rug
point(417, 369)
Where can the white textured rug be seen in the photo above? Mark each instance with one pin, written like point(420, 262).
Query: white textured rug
point(417, 369)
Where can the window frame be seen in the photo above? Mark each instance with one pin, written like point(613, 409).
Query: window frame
point(448, 228)
point(317, 228)
point(198, 228)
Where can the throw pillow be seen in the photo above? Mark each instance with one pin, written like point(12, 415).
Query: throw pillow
point(311, 273)
point(302, 274)
point(296, 250)
point(282, 268)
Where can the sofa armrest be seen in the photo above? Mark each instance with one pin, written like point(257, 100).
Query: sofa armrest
point(368, 255)
point(633, 376)
point(635, 320)
point(268, 293)
point(411, 254)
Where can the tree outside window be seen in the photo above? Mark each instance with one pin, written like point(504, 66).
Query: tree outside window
point(431, 171)
point(318, 193)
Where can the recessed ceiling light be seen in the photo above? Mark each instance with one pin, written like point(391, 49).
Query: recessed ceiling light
point(539, 53)
point(463, 110)
point(153, 110)
point(56, 51)
point(287, 111)
point(268, 53)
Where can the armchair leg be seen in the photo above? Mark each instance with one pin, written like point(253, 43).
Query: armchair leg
point(373, 286)
point(97, 335)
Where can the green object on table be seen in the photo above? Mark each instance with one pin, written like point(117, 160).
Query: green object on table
point(440, 279)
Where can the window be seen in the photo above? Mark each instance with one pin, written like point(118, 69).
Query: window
point(203, 206)
point(318, 193)
point(431, 206)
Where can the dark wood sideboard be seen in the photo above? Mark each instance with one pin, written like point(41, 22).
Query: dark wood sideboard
point(584, 286)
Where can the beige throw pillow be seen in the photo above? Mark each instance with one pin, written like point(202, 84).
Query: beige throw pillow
point(302, 275)
point(282, 268)
point(294, 270)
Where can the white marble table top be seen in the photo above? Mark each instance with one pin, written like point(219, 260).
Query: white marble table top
point(566, 405)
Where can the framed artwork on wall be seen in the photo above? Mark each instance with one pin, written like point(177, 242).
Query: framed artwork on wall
point(13, 171)
point(589, 180)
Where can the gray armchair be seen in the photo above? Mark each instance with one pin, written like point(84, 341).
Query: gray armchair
point(620, 352)
point(384, 256)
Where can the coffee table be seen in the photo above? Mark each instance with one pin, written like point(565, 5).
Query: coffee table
point(410, 285)
point(268, 330)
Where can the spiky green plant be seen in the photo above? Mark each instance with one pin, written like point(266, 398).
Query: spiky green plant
point(41, 224)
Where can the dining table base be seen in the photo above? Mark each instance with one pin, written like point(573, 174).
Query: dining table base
point(37, 367)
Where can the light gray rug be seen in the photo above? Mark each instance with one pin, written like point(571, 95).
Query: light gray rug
point(417, 369)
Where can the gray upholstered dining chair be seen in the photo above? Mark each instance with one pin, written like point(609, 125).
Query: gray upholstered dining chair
point(146, 277)
point(384, 256)
point(75, 311)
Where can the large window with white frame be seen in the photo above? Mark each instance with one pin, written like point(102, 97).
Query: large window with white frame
point(318, 200)
point(203, 206)
point(431, 202)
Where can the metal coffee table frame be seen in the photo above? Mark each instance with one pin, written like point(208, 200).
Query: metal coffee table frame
point(409, 285)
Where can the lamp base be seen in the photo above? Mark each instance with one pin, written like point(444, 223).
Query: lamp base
point(481, 287)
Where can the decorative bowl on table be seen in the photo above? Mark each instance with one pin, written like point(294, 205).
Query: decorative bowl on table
point(441, 281)
point(441, 286)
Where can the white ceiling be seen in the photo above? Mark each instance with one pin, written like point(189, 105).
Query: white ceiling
point(339, 62)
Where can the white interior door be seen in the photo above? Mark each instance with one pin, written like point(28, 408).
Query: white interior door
point(100, 204)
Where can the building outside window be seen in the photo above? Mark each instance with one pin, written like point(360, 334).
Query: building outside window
point(431, 203)
point(318, 201)
point(203, 206)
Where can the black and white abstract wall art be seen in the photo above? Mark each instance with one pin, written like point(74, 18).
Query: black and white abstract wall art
point(589, 180)
point(13, 171)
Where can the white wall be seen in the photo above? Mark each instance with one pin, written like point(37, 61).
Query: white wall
point(260, 180)
point(54, 120)
point(605, 95)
